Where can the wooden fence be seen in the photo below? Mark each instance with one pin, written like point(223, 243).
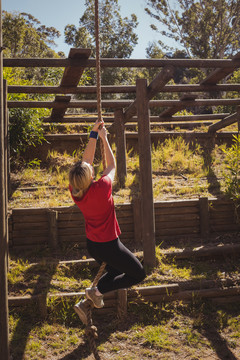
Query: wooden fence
point(173, 220)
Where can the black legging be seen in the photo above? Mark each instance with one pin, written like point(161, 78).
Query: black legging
point(123, 269)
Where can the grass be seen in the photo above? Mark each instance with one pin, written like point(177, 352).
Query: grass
point(179, 170)
point(151, 331)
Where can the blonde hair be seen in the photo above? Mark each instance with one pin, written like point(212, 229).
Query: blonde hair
point(80, 178)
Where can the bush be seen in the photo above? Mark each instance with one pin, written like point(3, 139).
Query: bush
point(232, 177)
point(25, 129)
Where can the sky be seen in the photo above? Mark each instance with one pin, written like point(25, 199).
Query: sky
point(59, 13)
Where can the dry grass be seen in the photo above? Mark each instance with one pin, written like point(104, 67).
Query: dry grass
point(179, 171)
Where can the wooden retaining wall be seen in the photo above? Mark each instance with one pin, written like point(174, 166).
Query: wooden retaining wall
point(173, 220)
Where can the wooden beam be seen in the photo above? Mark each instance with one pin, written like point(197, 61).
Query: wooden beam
point(153, 119)
point(172, 110)
point(59, 111)
point(72, 74)
point(4, 325)
point(231, 119)
point(220, 74)
point(112, 89)
point(71, 77)
point(116, 104)
point(107, 62)
point(154, 87)
point(145, 163)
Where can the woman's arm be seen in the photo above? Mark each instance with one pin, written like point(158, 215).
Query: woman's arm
point(89, 152)
point(111, 164)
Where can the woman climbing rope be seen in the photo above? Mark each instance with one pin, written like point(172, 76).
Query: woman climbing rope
point(94, 199)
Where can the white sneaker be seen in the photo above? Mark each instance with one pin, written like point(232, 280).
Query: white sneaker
point(97, 300)
point(81, 310)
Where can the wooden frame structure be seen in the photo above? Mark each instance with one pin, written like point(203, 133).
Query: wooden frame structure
point(4, 338)
point(124, 111)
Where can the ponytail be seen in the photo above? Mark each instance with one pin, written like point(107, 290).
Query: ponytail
point(80, 178)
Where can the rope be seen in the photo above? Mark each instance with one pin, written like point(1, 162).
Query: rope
point(91, 330)
point(98, 68)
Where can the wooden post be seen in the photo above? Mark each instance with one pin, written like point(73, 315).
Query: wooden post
point(53, 229)
point(122, 303)
point(145, 163)
point(121, 146)
point(4, 336)
point(6, 141)
point(204, 217)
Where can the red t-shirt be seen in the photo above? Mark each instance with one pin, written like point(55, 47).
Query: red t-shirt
point(97, 206)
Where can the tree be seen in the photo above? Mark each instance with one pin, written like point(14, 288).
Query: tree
point(24, 36)
point(204, 28)
point(117, 36)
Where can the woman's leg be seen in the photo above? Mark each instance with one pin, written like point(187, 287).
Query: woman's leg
point(123, 268)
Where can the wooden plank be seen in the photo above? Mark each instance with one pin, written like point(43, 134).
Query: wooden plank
point(28, 211)
point(153, 119)
point(176, 203)
point(215, 209)
point(145, 162)
point(72, 74)
point(108, 62)
point(59, 111)
point(219, 74)
point(36, 240)
point(222, 216)
point(231, 119)
point(29, 233)
point(71, 77)
point(225, 227)
point(112, 89)
point(72, 231)
point(71, 224)
point(175, 217)
point(106, 89)
point(66, 217)
point(224, 221)
point(118, 104)
point(177, 224)
point(176, 211)
point(173, 110)
point(28, 219)
point(30, 226)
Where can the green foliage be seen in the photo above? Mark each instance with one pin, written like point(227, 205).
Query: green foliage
point(24, 36)
point(232, 177)
point(25, 129)
point(25, 126)
point(205, 29)
point(117, 36)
